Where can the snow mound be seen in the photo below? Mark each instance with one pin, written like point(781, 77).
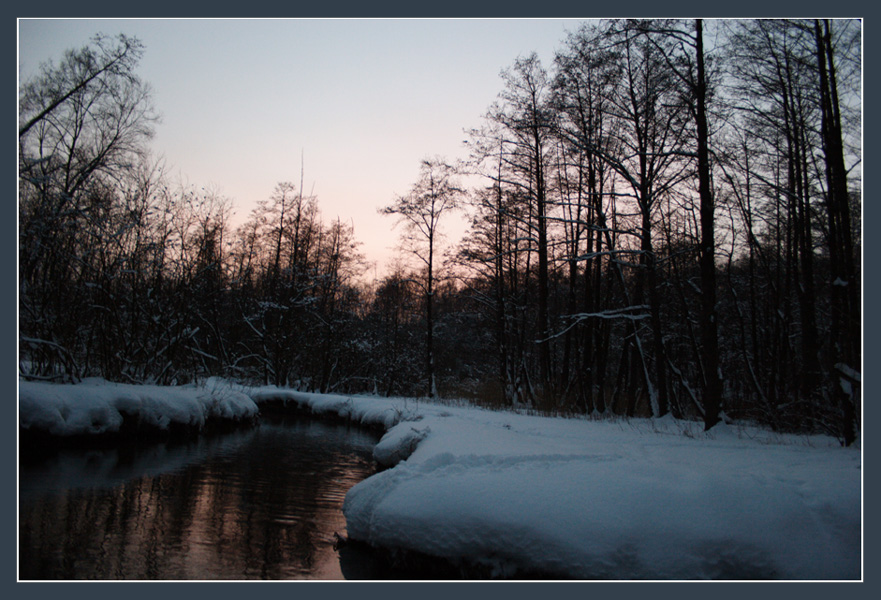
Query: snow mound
point(640, 499)
point(96, 406)
point(601, 499)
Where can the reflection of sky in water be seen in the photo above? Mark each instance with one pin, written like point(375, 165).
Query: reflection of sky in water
point(263, 503)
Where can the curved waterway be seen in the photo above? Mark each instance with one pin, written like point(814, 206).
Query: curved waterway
point(261, 503)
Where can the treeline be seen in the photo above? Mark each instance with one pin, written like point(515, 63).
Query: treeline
point(126, 275)
point(666, 225)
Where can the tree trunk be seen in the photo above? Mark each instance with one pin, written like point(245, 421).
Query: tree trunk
point(709, 331)
point(845, 326)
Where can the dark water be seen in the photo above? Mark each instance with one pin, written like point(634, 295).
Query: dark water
point(263, 503)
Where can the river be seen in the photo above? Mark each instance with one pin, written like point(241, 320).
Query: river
point(261, 503)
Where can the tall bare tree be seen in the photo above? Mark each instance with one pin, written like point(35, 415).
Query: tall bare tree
point(434, 194)
point(524, 117)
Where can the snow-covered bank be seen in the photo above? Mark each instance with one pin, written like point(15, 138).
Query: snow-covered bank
point(95, 406)
point(368, 411)
point(639, 499)
point(570, 498)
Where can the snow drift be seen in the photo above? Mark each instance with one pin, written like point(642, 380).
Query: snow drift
point(96, 406)
point(600, 499)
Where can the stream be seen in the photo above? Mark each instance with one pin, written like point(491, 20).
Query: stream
point(260, 503)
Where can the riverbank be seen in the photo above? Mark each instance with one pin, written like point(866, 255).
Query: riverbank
point(510, 495)
point(507, 495)
point(96, 410)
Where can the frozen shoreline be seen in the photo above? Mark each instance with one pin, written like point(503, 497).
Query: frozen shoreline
point(97, 407)
point(573, 498)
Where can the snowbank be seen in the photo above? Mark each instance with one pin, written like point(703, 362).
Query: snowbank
point(640, 499)
point(96, 406)
point(367, 411)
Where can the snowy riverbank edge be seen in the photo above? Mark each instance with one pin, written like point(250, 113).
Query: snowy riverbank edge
point(569, 498)
point(97, 407)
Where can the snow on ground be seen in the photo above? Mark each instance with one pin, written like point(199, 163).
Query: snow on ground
point(579, 498)
point(96, 406)
point(572, 498)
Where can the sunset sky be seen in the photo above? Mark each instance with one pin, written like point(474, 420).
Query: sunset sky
point(363, 101)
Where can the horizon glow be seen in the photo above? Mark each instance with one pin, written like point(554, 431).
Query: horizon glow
point(359, 102)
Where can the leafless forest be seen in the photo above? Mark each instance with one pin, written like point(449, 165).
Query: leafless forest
point(666, 219)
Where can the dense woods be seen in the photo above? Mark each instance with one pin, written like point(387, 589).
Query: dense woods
point(665, 219)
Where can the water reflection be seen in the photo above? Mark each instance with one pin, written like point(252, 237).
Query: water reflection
point(259, 504)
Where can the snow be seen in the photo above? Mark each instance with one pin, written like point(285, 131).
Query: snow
point(579, 498)
point(518, 494)
point(96, 406)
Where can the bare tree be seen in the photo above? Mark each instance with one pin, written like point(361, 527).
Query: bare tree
point(84, 125)
point(100, 65)
point(523, 118)
point(801, 139)
point(586, 71)
point(683, 49)
point(434, 194)
point(846, 329)
point(495, 255)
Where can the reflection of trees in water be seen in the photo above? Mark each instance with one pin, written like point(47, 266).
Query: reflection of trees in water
point(267, 510)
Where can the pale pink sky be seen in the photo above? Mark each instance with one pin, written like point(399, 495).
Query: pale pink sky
point(363, 100)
